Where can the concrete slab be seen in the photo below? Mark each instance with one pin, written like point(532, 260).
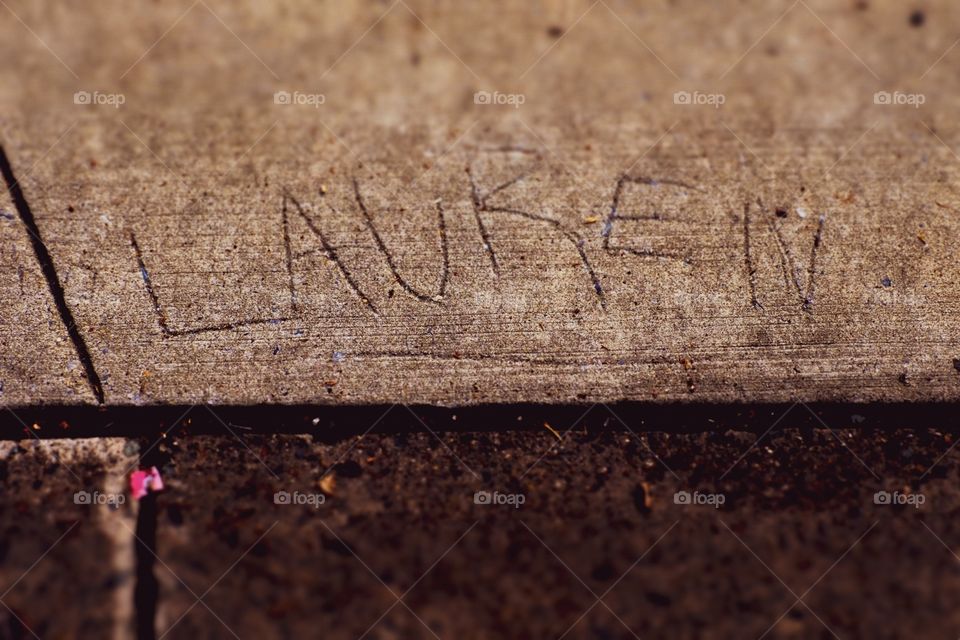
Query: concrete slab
point(66, 539)
point(366, 520)
point(38, 362)
point(312, 204)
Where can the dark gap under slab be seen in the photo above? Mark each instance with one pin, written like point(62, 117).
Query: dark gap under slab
point(334, 423)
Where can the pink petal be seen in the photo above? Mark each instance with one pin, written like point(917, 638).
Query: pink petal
point(156, 482)
point(138, 484)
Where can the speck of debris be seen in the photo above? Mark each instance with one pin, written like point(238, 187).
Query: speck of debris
point(642, 499)
point(956, 364)
point(781, 213)
point(554, 31)
point(7, 215)
point(339, 356)
point(886, 282)
point(546, 425)
point(328, 483)
point(917, 18)
point(276, 350)
point(801, 212)
point(903, 378)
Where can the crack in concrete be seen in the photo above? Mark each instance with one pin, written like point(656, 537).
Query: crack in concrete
point(45, 260)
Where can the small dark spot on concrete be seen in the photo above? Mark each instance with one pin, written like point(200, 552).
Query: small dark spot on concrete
point(781, 213)
point(861, 5)
point(175, 515)
point(917, 18)
point(337, 547)
point(956, 364)
point(886, 282)
point(260, 549)
point(903, 378)
point(603, 572)
point(554, 31)
point(348, 469)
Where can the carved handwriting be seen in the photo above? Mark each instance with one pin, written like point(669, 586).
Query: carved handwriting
point(484, 213)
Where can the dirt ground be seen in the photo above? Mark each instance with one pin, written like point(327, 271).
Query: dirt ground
point(393, 512)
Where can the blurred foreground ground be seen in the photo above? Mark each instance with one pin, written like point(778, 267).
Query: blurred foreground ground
point(399, 518)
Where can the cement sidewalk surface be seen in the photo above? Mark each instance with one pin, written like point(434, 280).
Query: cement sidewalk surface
point(371, 202)
point(462, 320)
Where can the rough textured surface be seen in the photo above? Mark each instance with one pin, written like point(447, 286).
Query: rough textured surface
point(798, 499)
point(400, 241)
point(37, 361)
point(66, 565)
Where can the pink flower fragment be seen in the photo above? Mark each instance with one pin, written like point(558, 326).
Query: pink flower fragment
point(142, 482)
